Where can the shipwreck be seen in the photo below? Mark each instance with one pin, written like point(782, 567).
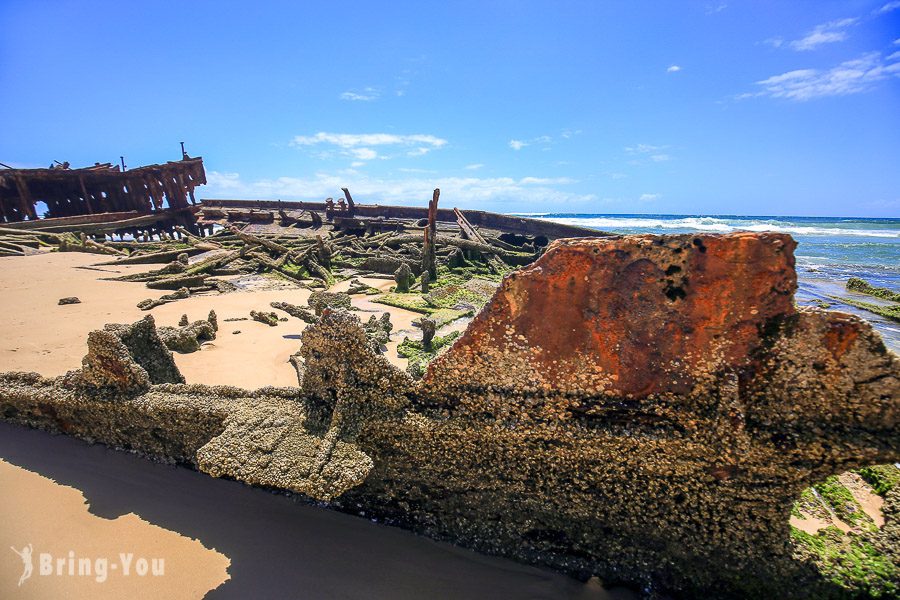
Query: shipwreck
point(642, 408)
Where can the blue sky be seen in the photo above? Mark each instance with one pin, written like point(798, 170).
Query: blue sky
point(719, 107)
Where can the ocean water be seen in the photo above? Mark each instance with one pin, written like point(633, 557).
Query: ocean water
point(830, 250)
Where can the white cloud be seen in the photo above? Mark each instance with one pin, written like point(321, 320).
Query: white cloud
point(363, 153)
point(460, 191)
point(358, 146)
point(849, 77)
point(643, 149)
point(826, 33)
point(546, 180)
point(647, 152)
point(648, 197)
point(349, 140)
point(890, 6)
point(712, 9)
point(897, 42)
point(474, 167)
point(547, 141)
point(366, 95)
point(617, 175)
point(673, 69)
point(893, 57)
point(358, 163)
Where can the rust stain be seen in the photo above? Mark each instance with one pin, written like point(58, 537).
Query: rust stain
point(649, 312)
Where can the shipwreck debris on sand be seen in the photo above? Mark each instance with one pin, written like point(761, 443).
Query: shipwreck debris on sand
point(642, 408)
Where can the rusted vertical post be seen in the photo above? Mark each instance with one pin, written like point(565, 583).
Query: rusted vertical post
point(350, 202)
point(27, 205)
point(429, 255)
point(85, 195)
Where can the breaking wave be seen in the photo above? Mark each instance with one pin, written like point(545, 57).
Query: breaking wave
point(876, 228)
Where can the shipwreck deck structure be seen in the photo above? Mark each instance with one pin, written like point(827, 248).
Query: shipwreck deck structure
point(272, 216)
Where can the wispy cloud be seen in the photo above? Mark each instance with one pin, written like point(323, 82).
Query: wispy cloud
point(890, 6)
point(363, 153)
point(544, 140)
point(645, 153)
point(349, 140)
point(673, 69)
point(826, 33)
point(649, 197)
point(461, 191)
point(359, 146)
point(712, 9)
point(643, 149)
point(849, 77)
point(366, 95)
point(474, 167)
point(546, 181)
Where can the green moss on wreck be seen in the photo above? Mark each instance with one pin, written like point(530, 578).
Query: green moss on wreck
point(855, 284)
point(413, 302)
point(418, 356)
point(452, 292)
point(849, 561)
point(809, 505)
point(882, 478)
point(860, 562)
point(355, 261)
point(443, 316)
point(843, 503)
point(891, 312)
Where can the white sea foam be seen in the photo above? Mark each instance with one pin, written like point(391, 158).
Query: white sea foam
point(717, 225)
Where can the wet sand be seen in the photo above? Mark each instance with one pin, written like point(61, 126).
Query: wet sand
point(39, 335)
point(278, 546)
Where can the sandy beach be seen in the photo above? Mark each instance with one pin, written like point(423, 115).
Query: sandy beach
point(39, 335)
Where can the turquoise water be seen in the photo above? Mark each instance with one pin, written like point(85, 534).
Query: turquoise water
point(830, 250)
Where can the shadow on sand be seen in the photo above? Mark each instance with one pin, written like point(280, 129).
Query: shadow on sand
point(278, 546)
